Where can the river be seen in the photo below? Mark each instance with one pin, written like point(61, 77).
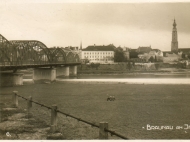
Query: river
point(131, 75)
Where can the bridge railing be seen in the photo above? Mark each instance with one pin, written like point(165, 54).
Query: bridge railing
point(103, 126)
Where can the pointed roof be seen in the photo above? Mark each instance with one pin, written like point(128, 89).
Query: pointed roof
point(174, 24)
point(81, 45)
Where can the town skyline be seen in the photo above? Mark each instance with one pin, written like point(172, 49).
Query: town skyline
point(122, 24)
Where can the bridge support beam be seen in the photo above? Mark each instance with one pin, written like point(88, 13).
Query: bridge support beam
point(62, 71)
point(44, 74)
point(10, 79)
point(73, 70)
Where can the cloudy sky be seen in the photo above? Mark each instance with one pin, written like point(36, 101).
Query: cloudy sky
point(123, 24)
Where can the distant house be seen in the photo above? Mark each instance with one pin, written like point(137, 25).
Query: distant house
point(126, 52)
point(156, 54)
point(170, 57)
point(75, 50)
point(99, 54)
point(144, 49)
point(185, 52)
point(145, 53)
point(141, 52)
point(72, 48)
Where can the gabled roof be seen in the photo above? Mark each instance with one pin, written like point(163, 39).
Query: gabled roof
point(100, 48)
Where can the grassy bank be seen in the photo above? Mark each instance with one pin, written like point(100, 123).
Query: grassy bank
point(123, 69)
point(134, 108)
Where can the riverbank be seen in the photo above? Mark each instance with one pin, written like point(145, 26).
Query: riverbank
point(15, 124)
point(135, 107)
point(127, 71)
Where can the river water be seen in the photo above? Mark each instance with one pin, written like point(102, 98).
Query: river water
point(132, 75)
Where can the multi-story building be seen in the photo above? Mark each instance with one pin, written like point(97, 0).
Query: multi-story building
point(99, 54)
point(75, 50)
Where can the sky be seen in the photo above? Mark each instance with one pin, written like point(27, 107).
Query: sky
point(120, 23)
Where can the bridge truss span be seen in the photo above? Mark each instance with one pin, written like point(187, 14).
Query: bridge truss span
point(32, 52)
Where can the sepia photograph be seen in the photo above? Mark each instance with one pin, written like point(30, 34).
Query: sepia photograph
point(94, 70)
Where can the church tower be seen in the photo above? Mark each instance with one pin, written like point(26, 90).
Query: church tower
point(174, 44)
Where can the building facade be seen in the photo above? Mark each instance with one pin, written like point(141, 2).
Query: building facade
point(156, 54)
point(99, 54)
point(171, 57)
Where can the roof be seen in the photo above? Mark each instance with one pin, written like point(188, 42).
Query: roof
point(185, 50)
point(144, 49)
point(133, 50)
point(166, 52)
point(156, 50)
point(100, 48)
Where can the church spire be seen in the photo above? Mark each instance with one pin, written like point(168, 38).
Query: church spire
point(174, 24)
point(81, 45)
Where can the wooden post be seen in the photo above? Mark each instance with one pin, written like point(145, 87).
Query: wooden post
point(15, 98)
point(29, 106)
point(53, 118)
point(0, 114)
point(103, 134)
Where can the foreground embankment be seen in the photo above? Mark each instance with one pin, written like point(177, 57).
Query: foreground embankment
point(136, 113)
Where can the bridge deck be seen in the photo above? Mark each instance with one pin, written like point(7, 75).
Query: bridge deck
point(12, 67)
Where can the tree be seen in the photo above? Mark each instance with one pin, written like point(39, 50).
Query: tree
point(151, 59)
point(133, 54)
point(183, 55)
point(129, 65)
point(157, 66)
point(93, 65)
point(119, 55)
point(188, 56)
point(86, 61)
point(156, 59)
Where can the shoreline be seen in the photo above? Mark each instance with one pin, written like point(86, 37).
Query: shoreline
point(130, 81)
point(161, 71)
point(178, 81)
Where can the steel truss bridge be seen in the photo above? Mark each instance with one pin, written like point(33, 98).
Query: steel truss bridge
point(18, 54)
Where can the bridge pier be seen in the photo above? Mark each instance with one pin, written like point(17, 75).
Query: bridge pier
point(8, 79)
point(60, 71)
point(44, 74)
point(73, 70)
